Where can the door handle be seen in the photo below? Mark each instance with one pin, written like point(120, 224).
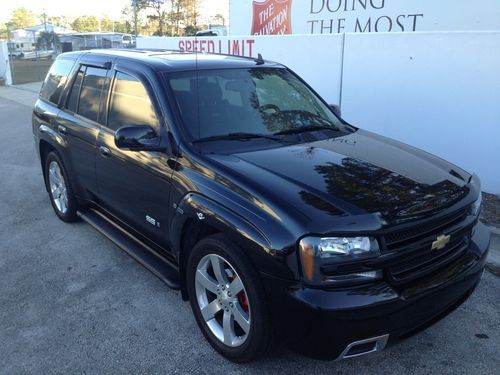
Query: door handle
point(62, 129)
point(104, 151)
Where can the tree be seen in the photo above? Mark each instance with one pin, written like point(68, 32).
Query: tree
point(191, 14)
point(85, 24)
point(22, 18)
point(4, 31)
point(159, 12)
point(61, 21)
point(126, 24)
point(175, 17)
point(219, 19)
point(190, 30)
point(47, 40)
point(107, 24)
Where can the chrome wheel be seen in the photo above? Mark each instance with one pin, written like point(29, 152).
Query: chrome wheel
point(222, 300)
point(58, 188)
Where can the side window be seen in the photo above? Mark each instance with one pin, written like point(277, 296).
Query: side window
point(74, 94)
point(90, 93)
point(130, 104)
point(56, 79)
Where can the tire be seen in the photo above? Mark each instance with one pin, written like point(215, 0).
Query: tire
point(59, 187)
point(242, 342)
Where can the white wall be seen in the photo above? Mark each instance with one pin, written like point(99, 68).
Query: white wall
point(439, 91)
point(301, 53)
point(339, 16)
point(4, 63)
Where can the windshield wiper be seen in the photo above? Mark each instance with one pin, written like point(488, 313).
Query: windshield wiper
point(234, 137)
point(304, 129)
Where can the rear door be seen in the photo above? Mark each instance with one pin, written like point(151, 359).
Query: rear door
point(134, 186)
point(46, 108)
point(80, 119)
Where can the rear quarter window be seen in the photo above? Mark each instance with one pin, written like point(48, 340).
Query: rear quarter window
point(57, 76)
point(90, 93)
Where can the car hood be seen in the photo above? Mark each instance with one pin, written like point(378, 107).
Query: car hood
point(356, 174)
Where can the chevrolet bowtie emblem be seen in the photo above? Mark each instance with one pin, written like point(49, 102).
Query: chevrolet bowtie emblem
point(441, 241)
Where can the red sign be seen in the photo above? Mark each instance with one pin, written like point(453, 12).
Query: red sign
point(272, 17)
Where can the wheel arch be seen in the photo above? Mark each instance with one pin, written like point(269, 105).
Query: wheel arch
point(198, 216)
point(44, 148)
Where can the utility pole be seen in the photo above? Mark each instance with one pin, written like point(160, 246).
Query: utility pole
point(44, 20)
point(135, 17)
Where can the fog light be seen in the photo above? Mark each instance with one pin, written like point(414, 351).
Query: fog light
point(356, 277)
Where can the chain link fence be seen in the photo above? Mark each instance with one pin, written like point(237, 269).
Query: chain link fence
point(26, 70)
point(30, 63)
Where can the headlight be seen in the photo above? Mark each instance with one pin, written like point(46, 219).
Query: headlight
point(476, 206)
point(318, 251)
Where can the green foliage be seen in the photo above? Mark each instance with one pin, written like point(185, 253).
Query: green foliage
point(3, 31)
point(22, 18)
point(107, 24)
point(85, 24)
point(191, 30)
point(219, 19)
point(168, 17)
point(154, 17)
point(47, 40)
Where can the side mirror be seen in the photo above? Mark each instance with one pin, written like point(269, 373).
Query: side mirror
point(138, 138)
point(335, 109)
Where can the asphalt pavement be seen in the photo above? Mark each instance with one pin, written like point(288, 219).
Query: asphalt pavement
point(72, 302)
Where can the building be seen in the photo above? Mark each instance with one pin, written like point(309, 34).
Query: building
point(92, 40)
point(22, 42)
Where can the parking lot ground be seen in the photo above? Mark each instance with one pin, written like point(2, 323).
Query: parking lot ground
point(72, 302)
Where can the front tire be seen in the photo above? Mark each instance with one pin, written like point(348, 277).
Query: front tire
point(60, 191)
point(228, 300)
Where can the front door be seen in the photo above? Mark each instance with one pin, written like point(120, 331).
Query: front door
point(134, 185)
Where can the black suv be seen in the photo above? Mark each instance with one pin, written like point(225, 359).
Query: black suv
point(232, 180)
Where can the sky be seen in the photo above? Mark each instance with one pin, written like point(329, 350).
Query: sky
point(111, 8)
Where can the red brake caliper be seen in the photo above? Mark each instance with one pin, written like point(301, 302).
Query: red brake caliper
point(242, 297)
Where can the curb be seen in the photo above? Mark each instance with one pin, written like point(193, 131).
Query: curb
point(493, 261)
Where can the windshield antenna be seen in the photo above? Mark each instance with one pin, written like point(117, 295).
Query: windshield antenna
point(259, 60)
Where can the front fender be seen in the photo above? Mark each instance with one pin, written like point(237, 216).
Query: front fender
point(198, 207)
point(248, 237)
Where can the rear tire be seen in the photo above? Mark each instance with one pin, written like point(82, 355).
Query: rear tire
point(222, 282)
point(59, 187)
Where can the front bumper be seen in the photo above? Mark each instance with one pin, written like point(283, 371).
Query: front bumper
point(324, 322)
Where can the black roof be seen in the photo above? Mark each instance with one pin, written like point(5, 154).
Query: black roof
point(168, 60)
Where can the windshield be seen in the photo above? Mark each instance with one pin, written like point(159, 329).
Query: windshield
point(256, 101)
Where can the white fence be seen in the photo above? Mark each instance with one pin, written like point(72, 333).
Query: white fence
point(439, 91)
point(5, 73)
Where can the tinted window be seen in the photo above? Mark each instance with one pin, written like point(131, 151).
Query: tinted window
point(90, 93)
point(56, 79)
point(262, 100)
point(130, 104)
point(72, 104)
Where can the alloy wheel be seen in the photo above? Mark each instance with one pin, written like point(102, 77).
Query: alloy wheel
point(58, 188)
point(222, 300)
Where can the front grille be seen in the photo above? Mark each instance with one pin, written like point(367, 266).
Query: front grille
point(415, 257)
point(400, 238)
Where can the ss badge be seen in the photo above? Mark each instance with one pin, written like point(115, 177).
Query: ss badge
point(152, 221)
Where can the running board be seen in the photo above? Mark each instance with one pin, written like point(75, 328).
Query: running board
point(142, 253)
